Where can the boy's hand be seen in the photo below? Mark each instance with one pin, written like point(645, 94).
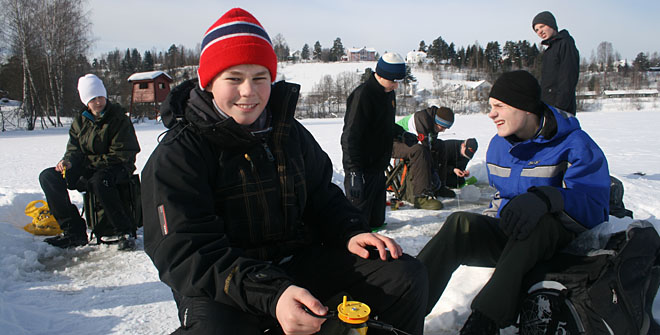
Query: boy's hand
point(358, 245)
point(292, 317)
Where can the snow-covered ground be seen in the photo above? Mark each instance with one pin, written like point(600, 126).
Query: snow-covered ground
point(96, 289)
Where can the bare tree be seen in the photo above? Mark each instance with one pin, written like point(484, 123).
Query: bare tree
point(605, 56)
point(48, 36)
point(65, 36)
point(281, 47)
point(18, 16)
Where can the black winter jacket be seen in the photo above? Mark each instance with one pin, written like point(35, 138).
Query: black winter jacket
point(108, 141)
point(560, 72)
point(454, 160)
point(369, 128)
point(223, 205)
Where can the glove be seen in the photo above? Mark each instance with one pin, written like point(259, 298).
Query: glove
point(521, 215)
point(408, 138)
point(355, 184)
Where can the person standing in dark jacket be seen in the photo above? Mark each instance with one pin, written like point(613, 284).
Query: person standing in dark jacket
point(366, 140)
point(561, 63)
point(100, 154)
point(241, 217)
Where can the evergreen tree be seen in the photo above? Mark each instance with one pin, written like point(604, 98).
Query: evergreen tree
point(367, 74)
point(136, 60)
point(148, 61)
point(317, 51)
point(304, 54)
point(337, 50)
point(493, 55)
point(422, 46)
point(641, 62)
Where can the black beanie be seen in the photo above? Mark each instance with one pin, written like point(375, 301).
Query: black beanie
point(518, 89)
point(546, 18)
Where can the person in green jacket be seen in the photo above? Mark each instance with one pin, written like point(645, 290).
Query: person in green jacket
point(99, 155)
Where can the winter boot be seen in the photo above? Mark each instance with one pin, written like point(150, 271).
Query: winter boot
point(126, 243)
point(479, 324)
point(427, 202)
point(445, 192)
point(74, 235)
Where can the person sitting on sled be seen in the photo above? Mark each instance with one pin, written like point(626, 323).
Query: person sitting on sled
point(552, 182)
point(100, 154)
point(241, 217)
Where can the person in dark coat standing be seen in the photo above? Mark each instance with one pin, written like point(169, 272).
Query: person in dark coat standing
point(561, 63)
point(241, 217)
point(366, 140)
point(99, 155)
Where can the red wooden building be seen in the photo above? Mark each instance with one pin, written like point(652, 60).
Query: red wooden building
point(149, 87)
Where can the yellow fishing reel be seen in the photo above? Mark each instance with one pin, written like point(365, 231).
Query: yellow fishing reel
point(355, 315)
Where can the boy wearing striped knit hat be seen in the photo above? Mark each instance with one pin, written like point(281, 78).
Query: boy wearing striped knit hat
point(241, 217)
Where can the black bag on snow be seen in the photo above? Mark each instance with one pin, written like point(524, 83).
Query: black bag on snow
point(99, 223)
point(608, 290)
point(617, 208)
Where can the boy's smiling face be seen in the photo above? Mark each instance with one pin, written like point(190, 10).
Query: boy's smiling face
point(242, 92)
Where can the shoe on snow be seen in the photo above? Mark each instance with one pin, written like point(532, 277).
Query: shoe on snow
point(126, 243)
point(67, 240)
point(428, 202)
point(445, 192)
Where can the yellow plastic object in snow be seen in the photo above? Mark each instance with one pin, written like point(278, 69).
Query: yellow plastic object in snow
point(354, 313)
point(43, 222)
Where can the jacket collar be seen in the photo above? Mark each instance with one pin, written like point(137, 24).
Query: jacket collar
point(558, 36)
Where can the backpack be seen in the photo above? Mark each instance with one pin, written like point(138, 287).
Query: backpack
point(609, 290)
point(99, 223)
point(617, 208)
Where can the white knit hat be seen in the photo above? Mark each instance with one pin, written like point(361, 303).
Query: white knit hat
point(90, 87)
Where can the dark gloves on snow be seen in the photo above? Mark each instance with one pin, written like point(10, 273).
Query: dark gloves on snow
point(521, 215)
point(355, 185)
point(407, 138)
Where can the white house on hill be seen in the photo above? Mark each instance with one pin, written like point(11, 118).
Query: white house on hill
point(415, 57)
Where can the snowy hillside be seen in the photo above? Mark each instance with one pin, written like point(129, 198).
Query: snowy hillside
point(92, 289)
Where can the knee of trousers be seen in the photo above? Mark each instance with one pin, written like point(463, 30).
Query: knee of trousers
point(408, 276)
point(49, 175)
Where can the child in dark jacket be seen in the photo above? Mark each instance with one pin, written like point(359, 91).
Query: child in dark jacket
point(99, 156)
point(241, 217)
point(552, 182)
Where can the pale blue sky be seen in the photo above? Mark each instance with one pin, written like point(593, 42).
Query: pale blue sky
point(385, 25)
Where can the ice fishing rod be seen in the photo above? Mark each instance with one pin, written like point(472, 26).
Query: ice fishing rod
point(356, 315)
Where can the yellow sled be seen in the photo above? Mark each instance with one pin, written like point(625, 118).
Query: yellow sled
point(43, 222)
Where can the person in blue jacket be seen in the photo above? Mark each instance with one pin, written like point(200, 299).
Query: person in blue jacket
point(552, 182)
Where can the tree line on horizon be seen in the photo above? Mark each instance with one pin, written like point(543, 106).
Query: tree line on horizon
point(45, 45)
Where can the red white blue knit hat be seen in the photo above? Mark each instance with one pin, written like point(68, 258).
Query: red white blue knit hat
point(236, 38)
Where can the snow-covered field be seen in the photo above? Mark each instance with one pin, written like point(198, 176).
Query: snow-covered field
point(96, 289)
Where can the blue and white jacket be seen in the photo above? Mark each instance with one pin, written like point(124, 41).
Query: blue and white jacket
point(561, 155)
